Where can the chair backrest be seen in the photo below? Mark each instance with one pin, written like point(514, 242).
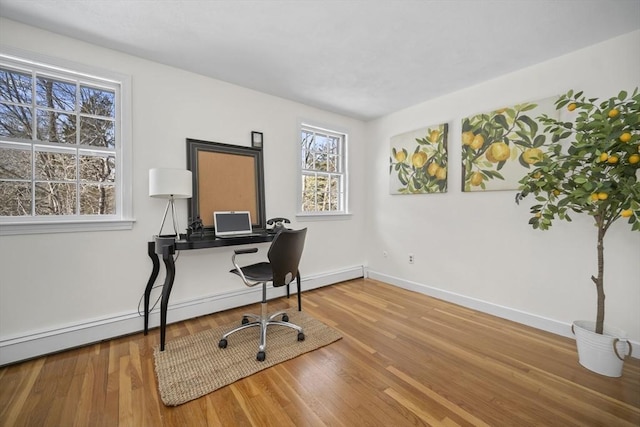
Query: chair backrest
point(284, 255)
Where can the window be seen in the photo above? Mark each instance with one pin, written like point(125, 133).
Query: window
point(324, 171)
point(61, 147)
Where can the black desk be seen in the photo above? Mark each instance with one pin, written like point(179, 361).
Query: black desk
point(167, 251)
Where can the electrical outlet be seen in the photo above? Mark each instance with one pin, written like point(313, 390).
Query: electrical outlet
point(410, 258)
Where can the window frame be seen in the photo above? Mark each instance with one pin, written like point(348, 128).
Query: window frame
point(19, 60)
point(344, 163)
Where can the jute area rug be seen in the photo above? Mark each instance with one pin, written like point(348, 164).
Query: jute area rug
point(192, 366)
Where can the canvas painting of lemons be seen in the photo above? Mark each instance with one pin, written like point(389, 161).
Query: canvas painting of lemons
point(499, 147)
point(418, 162)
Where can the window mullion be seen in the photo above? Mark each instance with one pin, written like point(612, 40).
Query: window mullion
point(78, 133)
point(315, 192)
point(33, 180)
point(34, 137)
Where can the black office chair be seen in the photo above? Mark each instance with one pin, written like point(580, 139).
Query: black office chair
point(284, 258)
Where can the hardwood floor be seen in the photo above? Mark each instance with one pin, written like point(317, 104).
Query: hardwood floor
point(405, 359)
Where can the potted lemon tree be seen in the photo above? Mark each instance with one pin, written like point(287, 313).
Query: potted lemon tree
point(591, 168)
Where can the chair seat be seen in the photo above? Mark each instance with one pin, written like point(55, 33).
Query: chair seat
point(259, 272)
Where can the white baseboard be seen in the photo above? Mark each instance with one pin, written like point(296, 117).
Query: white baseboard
point(38, 343)
point(533, 320)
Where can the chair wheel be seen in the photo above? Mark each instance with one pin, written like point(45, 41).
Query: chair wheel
point(300, 336)
point(245, 320)
point(222, 343)
point(285, 318)
point(261, 356)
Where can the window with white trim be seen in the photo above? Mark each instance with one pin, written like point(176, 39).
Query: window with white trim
point(323, 171)
point(61, 145)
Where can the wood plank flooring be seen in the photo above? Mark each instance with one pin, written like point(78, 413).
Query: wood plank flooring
point(405, 360)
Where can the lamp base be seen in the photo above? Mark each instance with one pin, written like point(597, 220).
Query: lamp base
point(171, 207)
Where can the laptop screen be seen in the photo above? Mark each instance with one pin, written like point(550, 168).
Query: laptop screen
point(232, 223)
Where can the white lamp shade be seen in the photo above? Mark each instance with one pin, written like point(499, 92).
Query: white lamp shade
point(165, 183)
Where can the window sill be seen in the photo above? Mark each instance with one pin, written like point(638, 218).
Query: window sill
point(323, 216)
point(45, 227)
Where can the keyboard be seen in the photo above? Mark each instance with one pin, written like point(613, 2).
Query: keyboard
point(235, 236)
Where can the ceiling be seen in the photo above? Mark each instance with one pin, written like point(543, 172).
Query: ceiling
point(360, 58)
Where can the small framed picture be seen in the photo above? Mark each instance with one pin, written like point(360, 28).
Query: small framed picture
point(256, 139)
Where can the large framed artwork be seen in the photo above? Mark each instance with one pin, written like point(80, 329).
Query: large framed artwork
point(499, 147)
point(225, 178)
point(418, 162)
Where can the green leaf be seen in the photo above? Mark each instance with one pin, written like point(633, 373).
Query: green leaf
point(539, 140)
point(588, 186)
point(523, 163)
point(492, 174)
point(531, 123)
point(500, 119)
point(565, 135)
point(525, 136)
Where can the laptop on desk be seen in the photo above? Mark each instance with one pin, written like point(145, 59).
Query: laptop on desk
point(229, 224)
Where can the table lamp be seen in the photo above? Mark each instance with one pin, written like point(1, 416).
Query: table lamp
point(171, 184)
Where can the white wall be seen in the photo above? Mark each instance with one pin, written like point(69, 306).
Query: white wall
point(474, 248)
point(477, 248)
point(60, 290)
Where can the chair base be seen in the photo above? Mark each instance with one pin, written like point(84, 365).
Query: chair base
point(264, 320)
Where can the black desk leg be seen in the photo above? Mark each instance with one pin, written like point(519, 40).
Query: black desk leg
point(167, 257)
point(151, 246)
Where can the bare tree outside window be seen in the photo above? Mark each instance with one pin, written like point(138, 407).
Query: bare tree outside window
point(323, 170)
point(67, 167)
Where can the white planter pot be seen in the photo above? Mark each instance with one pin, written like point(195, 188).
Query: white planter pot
point(601, 353)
